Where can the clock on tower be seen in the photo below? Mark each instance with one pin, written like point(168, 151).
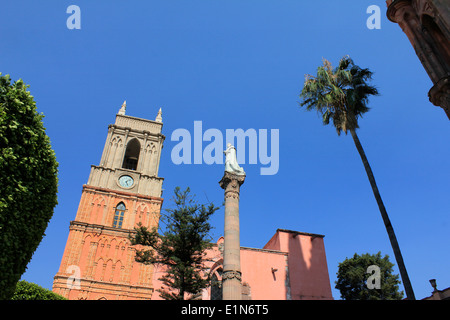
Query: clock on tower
point(124, 190)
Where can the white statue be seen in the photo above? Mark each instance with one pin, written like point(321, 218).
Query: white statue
point(231, 164)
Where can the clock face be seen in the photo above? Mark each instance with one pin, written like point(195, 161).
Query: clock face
point(126, 181)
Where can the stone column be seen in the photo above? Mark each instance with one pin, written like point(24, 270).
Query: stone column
point(231, 278)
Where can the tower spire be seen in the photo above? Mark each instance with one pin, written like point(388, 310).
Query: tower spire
point(123, 108)
point(159, 116)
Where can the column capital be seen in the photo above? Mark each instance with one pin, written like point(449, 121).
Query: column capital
point(237, 180)
point(231, 183)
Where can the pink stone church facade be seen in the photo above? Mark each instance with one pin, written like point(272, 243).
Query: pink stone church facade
point(125, 189)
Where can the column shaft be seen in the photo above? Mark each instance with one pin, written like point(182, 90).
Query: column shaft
point(231, 285)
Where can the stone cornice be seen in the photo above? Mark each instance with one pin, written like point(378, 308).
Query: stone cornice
point(265, 250)
point(138, 124)
point(123, 193)
point(100, 229)
point(113, 287)
point(314, 235)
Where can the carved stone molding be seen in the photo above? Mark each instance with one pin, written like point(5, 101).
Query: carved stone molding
point(231, 274)
point(439, 94)
point(138, 124)
point(424, 7)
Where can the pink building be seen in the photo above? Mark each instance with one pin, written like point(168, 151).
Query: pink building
point(291, 266)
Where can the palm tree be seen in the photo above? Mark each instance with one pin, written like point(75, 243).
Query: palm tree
point(341, 95)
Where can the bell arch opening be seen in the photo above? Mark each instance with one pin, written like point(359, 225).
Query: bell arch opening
point(131, 158)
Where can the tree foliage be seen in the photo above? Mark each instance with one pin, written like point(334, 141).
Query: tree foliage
point(181, 248)
point(28, 178)
point(340, 94)
point(31, 291)
point(353, 274)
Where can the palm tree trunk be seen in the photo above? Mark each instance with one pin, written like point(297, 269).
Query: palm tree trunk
point(387, 222)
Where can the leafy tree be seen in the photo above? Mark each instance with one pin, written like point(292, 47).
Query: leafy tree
point(341, 95)
point(28, 178)
point(31, 291)
point(354, 273)
point(181, 248)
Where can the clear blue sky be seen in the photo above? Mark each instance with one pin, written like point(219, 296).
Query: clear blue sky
point(241, 64)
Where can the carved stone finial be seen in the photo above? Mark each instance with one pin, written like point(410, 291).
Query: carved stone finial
point(159, 116)
point(123, 108)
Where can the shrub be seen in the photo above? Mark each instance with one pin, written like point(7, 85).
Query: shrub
point(28, 181)
point(31, 291)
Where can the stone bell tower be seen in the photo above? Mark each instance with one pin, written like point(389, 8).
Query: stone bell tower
point(124, 190)
point(426, 23)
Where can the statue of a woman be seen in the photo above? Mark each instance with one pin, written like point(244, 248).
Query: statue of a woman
point(231, 164)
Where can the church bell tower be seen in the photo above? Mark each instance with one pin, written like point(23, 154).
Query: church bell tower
point(124, 190)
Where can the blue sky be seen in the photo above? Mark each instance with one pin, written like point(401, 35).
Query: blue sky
point(241, 64)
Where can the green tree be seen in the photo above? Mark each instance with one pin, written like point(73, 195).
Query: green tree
point(181, 248)
point(31, 291)
point(28, 178)
point(342, 95)
point(355, 278)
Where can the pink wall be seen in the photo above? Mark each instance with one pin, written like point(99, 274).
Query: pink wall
point(257, 266)
point(308, 271)
point(298, 262)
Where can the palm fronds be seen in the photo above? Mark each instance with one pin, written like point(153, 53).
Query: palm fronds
point(340, 94)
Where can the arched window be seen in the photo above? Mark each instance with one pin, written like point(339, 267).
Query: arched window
point(130, 161)
point(216, 285)
point(118, 216)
